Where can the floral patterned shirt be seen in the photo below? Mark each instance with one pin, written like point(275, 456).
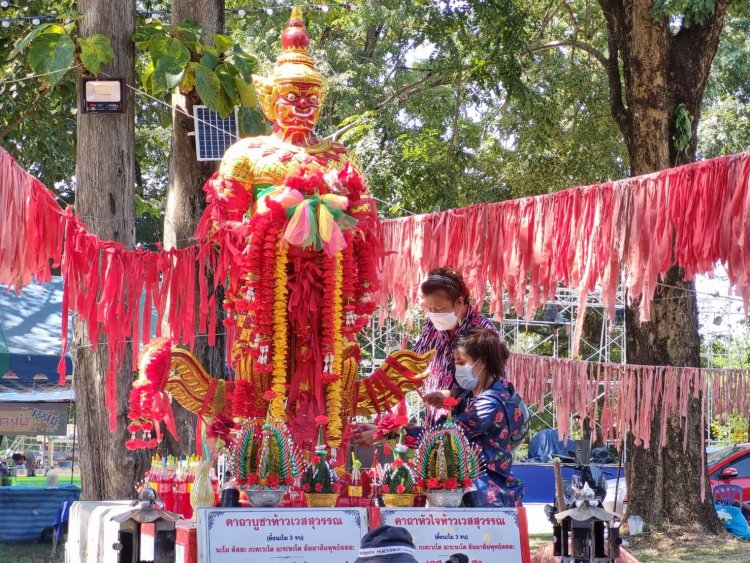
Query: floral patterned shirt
point(442, 367)
point(488, 420)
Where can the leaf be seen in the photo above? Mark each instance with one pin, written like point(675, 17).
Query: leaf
point(222, 43)
point(147, 78)
point(167, 46)
point(246, 92)
point(187, 84)
point(190, 30)
point(210, 57)
point(148, 32)
point(23, 43)
point(210, 90)
point(225, 74)
point(250, 122)
point(52, 53)
point(96, 50)
point(168, 73)
point(244, 63)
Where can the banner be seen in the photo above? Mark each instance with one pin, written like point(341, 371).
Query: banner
point(483, 535)
point(34, 418)
point(292, 535)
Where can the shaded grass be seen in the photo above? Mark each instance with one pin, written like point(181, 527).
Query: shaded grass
point(26, 552)
point(680, 546)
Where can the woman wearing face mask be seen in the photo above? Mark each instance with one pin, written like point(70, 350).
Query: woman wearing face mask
point(486, 412)
point(449, 314)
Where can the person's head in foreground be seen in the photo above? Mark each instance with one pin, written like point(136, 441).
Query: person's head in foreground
point(387, 544)
point(480, 357)
point(458, 558)
point(446, 298)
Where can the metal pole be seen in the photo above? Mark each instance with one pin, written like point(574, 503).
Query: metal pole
point(75, 427)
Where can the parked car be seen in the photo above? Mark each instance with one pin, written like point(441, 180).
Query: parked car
point(731, 466)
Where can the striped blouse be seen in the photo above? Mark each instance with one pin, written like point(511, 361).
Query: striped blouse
point(442, 367)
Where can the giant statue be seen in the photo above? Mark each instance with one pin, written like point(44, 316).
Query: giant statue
point(302, 277)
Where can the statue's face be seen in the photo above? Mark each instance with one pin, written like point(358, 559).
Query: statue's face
point(297, 106)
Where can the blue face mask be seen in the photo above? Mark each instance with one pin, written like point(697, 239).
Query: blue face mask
point(465, 377)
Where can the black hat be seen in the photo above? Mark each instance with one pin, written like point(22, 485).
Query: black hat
point(458, 558)
point(387, 544)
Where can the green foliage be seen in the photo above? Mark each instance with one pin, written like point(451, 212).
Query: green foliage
point(683, 124)
point(51, 54)
point(444, 104)
point(52, 50)
point(96, 50)
point(684, 12)
point(724, 127)
point(175, 57)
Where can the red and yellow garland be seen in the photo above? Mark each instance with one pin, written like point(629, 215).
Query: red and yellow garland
point(280, 333)
point(333, 389)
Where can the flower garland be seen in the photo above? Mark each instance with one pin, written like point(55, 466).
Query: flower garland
point(327, 318)
point(349, 286)
point(280, 333)
point(333, 390)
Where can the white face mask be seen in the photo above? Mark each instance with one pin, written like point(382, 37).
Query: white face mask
point(443, 321)
point(465, 377)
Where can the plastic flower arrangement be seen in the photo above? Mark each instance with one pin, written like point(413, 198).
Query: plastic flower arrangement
point(399, 475)
point(320, 477)
point(445, 461)
point(264, 457)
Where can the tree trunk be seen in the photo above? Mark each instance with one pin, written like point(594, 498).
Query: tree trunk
point(186, 201)
point(662, 71)
point(105, 188)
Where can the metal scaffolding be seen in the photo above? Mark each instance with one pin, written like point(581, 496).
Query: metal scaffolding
point(549, 333)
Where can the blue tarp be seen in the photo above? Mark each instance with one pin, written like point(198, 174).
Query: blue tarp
point(30, 339)
point(26, 511)
point(545, 445)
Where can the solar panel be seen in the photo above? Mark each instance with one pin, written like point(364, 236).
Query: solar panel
point(213, 135)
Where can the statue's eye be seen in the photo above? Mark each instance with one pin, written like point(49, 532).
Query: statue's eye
point(313, 99)
point(291, 96)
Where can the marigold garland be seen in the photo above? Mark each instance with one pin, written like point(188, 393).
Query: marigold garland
point(333, 391)
point(280, 332)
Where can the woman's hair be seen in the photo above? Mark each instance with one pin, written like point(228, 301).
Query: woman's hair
point(485, 345)
point(448, 280)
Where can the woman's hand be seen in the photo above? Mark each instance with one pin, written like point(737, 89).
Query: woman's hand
point(435, 399)
point(364, 434)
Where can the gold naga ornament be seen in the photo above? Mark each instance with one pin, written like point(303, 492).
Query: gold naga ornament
point(304, 238)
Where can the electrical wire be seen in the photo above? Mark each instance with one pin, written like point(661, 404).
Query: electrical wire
point(25, 78)
point(7, 21)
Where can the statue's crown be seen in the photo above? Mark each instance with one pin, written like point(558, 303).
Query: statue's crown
point(294, 63)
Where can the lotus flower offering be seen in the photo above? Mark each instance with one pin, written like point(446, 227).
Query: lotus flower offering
point(446, 464)
point(264, 462)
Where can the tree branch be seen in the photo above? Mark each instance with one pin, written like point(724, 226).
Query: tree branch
point(575, 44)
point(620, 113)
point(21, 115)
point(401, 95)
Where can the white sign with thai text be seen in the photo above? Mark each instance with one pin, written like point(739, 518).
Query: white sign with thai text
point(485, 536)
point(291, 535)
